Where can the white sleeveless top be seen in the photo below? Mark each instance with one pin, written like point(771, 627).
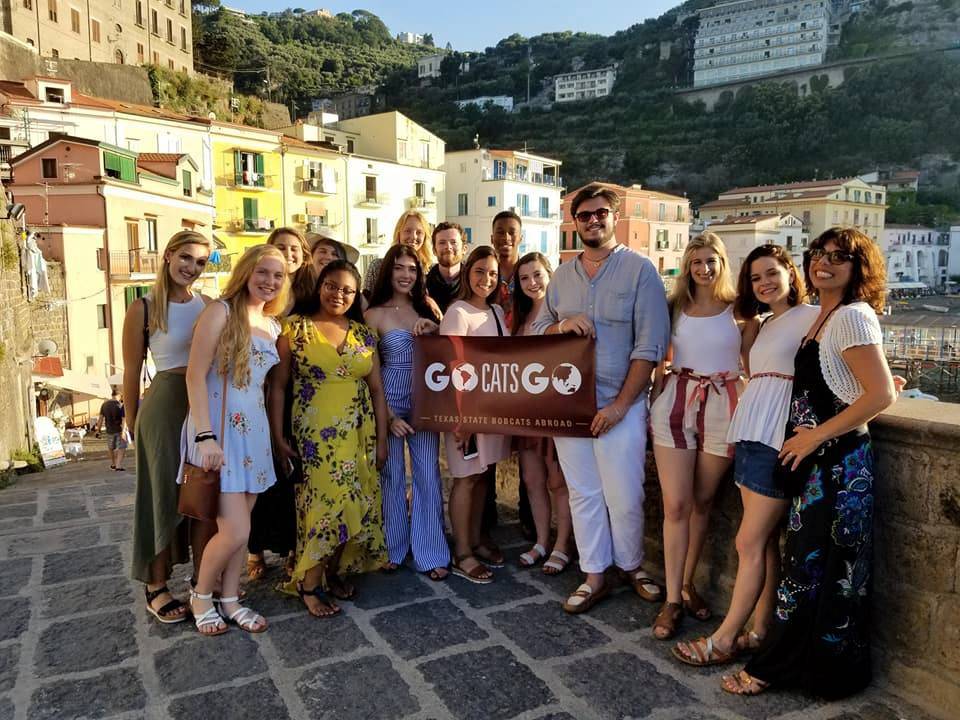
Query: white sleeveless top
point(171, 349)
point(707, 345)
point(761, 414)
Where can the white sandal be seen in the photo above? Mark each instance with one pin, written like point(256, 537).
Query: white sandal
point(557, 567)
point(209, 618)
point(245, 618)
point(528, 560)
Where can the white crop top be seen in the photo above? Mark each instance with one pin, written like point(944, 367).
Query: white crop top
point(171, 349)
point(707, 345)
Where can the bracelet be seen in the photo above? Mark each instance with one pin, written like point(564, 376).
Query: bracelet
point(560, 326)
point(200, 437)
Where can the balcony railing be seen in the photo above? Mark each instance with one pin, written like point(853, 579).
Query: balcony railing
point(527, 177)
point(315, 185)
point(251, 225)
point(536, 214)
point(250, 179)
point(8, 151)
point(370, 199)
point(135, 262)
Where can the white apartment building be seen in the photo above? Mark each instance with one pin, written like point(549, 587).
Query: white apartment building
point(749, 38)
point(742, 234)
point(132, 32)
point(584, 84)
point(410, 38)
point(482, 182)
point(917, 254)
point(502, 101)
point(428, 66)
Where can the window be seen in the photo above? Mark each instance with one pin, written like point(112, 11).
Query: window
point(156, 58)
point(371, 188)
point(420, 191)
point(248, 169)
point(139, 13)
point(806, 218)
point(101, 322)
point(48, 168)
point(75, 20)
point(462, 204)
point(425, 154)
point(28, 4)
point(523, 205)
point(95, 30)
point(371, 231)
point(151, 234)
point(183, 7)
point(402, 149)
point(183, 38)
point(663, 239)
point(133, 235)
point(52, 10)
point(251, 211)
point(349, 146)
point(468, 235)
point(491, 201)
point(171, 65)
point(54, 53)
point(154, 23)
point(170, 31)
point(140, 53)
point(662, 213)
point(187, 183)
point(54, 95)
point(120, 167)
point(544, 207)
point(543, 241)
point(563, 239)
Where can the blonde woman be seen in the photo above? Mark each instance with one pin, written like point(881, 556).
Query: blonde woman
point(163, 322)
point(234, 346)
point(412, 229)
point(695, 393)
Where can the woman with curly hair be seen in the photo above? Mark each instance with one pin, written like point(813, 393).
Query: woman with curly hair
point(819, 639)
point(339, 435)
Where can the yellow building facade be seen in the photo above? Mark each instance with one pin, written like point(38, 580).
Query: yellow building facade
point(314, 178)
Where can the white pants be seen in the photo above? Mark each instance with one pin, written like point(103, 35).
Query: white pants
point(605, 478)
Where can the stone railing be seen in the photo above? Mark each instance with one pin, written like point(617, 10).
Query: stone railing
point(916, 586)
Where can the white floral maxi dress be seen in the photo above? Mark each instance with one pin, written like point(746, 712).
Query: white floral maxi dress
point(248, 456)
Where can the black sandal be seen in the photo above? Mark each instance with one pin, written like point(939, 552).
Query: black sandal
point(339, 588)
point(164, 614)
point(320, 595)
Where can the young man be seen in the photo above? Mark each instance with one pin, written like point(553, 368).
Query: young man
point(443, 280)
point(111, 416)
point(506, 237)
point(615, 295)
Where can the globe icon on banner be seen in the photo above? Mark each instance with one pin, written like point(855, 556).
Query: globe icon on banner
point(464, 377)
point(566, 379)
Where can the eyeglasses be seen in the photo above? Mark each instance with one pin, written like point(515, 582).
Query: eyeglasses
point(337, 290)
point(834, 257)
point(585, 215)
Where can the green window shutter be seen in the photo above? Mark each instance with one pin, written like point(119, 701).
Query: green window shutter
point(249, 208)
point(129, 295)
point(258, 163)
point(187, 180)
point(128, 169)
point(111, 161)
point(237, 167)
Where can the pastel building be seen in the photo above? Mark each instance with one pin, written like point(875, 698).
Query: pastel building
point(314, 176)
point(584, 84)
point(653, 223)
point(106, 212)
point(917, 254)
point(482, 182)
point(741, 234)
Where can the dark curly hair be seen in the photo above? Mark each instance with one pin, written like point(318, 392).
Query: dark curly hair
point(746, 305)
point(868, 281)
point(355, 311)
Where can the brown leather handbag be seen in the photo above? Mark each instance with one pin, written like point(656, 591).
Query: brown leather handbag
point(200, 490)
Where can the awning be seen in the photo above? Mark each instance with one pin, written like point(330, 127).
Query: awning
point(906, 286)
point(91, 386)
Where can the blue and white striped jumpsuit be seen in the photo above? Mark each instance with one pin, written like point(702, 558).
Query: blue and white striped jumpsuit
point(424, 531)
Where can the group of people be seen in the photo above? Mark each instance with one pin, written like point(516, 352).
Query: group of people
point(718, 374)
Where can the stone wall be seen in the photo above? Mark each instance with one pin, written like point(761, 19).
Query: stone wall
point(120, 82)
point(916, 556)
point(22, 324)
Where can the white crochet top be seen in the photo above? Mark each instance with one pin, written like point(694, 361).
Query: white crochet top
point(850, 325)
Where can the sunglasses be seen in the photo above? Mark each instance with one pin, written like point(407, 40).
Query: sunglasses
point(585, 215)
point(834, 257)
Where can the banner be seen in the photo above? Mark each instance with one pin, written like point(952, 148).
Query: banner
point(534, 386)
point(48, 439)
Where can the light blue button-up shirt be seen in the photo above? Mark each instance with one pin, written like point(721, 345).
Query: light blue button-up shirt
point(627, 304)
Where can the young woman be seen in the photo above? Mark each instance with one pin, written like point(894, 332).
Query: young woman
point(234, 346)
point(770, 285)
point(469, 455)
point(819, 640)
point(324, 250)
point(540, 468)
point(340, 437)
point(693, 402)
point(411, 229)
point(273, 525)
point(398, 312)
point(163, 320)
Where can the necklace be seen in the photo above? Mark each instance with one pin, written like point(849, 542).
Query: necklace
point(596, 263)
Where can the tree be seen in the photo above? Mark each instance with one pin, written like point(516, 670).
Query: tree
point(428, 39)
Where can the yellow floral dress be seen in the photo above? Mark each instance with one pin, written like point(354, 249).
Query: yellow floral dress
point(339, 502)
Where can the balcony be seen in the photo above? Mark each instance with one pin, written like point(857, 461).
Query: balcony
point(372, 199)
point(316, 186)
point(250, 180)
point(135, 262)
point(536, 214)
point(8, 151)
point(526, 177)
point(250, 225)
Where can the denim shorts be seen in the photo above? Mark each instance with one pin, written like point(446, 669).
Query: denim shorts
point(755, 468)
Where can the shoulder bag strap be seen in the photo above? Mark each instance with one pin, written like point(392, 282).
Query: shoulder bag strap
point(223, 416)
point(496, 317)
point(145, 377)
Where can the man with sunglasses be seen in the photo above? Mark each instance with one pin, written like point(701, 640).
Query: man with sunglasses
point(614, 295)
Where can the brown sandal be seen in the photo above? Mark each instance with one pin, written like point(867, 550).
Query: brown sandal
point(667, 620)
point(694, 604)
point(479, 574)
point(256, 567)
point(743, 684)
point(643, 585)
point(702, 653)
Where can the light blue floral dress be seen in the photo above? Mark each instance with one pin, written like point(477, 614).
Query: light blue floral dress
point(248, 456)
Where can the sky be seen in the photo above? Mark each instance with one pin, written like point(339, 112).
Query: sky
point(480, 24)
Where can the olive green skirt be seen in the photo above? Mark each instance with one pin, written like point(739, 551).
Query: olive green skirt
point(156, 523)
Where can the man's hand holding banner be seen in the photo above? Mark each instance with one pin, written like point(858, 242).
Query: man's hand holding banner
point(529, 385)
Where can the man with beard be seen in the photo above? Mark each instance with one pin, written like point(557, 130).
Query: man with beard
point(443, 280)
point(614, 295)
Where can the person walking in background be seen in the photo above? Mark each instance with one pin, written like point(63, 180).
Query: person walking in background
point(340, 438)
point(693, 399)
point(443, 279)
point(540, 468)
point(398, 312)
point(769, 284)
point(111, 419)
point(163, 323)
point(470, 456)
point(273, 524)
point(234, 346)
point(819, 640)
point(613, 294)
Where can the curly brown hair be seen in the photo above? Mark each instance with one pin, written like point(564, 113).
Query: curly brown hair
point(747, 305)
point(868, 281)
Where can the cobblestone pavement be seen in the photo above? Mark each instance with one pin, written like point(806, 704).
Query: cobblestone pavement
point(75, 640)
